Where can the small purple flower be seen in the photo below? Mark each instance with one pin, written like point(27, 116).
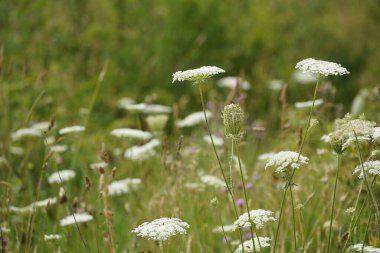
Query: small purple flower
point(240, 202)
point(249, 186)
point(247, 236)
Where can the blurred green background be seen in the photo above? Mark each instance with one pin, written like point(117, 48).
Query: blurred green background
point(62, 46)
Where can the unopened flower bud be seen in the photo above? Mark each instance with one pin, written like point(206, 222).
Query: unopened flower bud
point(233, 120)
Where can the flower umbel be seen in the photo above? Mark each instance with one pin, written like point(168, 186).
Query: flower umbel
point(285, 160)
point(161, 229)
point(197, 75)
point(233, 120)
point(259, 217)
point(318, 67)
point(260, 243)
point(370, 167)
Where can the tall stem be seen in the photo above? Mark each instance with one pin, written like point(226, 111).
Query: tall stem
point(219, 162)
point(333, 204)
point(245, 197)
point(299, 156)
point(366, 229)
point(294, 219)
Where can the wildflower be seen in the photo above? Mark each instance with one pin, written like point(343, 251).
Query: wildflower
point(232, 81)
point(157, 109)
point(376, 133)
point(161, 229)
point(131, 133)
point(142, 152)
point(303, 77)
point(41, 126)
point(61, 176)
point(212, 181)
point(197, 75)
point(285, 160)
point(58, 148)
point(359, 247)
point(265, 156)
point(308, 103)
point(275, 84)
point(259, 217)
point(227, 229)
point(157, 122)
point(31, 208)
point(370, 167)
point(52, 237)
point(240, 202)
point(260, 243)
point(98, 165)
point(218, 141)
point(233, 120)
point(125, 102)
point(123, 186)
point(195, 186)
point(194, 119)
point(71, 130)
point(350, 210)
point(25, 132)
point(75, 218)
point(318, 67)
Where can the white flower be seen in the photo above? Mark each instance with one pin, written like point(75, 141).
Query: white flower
point(75, 218)
point(197, 75)
point(194, 119)
point(142, 152)
point(161, 229)
point(265, 156)
point(350, 210)
point(218, 141)
point(370, 167)
point(41, 126)
point(71, 130)
point(25, 132)
point(260, 243)
point(303, 77)
point(52, 237)
point(227, 229)
point(325, 138)
point(308, 103)
point(376, 133)
point(123, 102)
point(232, 81)
point(212, 181)
point(58, 148)
point(275, 84)
point(195, 186)
point(30, 208)
point(61, 176)
point(259, 217)
point(318, 67)
point(285, 160)
point(131, 133)
point(367, 249)
point(123, 186)
point(98, 165)
point(148, 108)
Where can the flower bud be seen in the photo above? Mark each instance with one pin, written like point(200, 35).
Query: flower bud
point(233, 120)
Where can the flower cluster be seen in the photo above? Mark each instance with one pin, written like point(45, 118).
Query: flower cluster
point(30, 208)
point(259, 217)
point(138, 153)
point(213, 181)
point(231, 82)
point(123, 186)
point(197, 75)
point(194, 119)
point(75, 218)
point(260, 243)
point(285, 160)
point(366, 249)
point(131, 133)
point(161, 229)
point(61, 176)
point(370, 167)
point(318, 67)
point(71, 130)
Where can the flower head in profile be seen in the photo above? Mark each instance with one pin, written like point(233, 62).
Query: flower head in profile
point(258, 217)
point(161, 229)
point(260, 243)
point(286, 160)
point(361, 248)
point(370, 167)
point(52, 237)
point(61, 176)
point(197, 75)
point(131, 133)
point(75, 218)
point(193, 119)
point(71, 130)
point(318, 67)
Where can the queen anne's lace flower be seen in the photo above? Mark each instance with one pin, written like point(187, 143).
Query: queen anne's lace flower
point(131, 133)
point(370, 167)
point(52, 237)
point(61, 176)
point(123, 186)
point(71, 130)
point(367, 249)
point(197, 75)
point(143, 152)
point(213, 181)
point(25, 132)
point(218, 141)
point(260, 243)
point(308, 103)
point(259, 217)
point(31, 208)
point(98, 165)
point(226, 228)
point(161, 229)
point(194, 119)
point(75, 218)
point(319, 67)
point(285, 160)
point(232, 81)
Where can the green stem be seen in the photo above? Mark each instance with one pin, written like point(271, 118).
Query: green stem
point(299, 156)
point(333, 204)
point(294, 219)
point(219, 162)
point(224, 233)
point(245, 196)
point(366, 229)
